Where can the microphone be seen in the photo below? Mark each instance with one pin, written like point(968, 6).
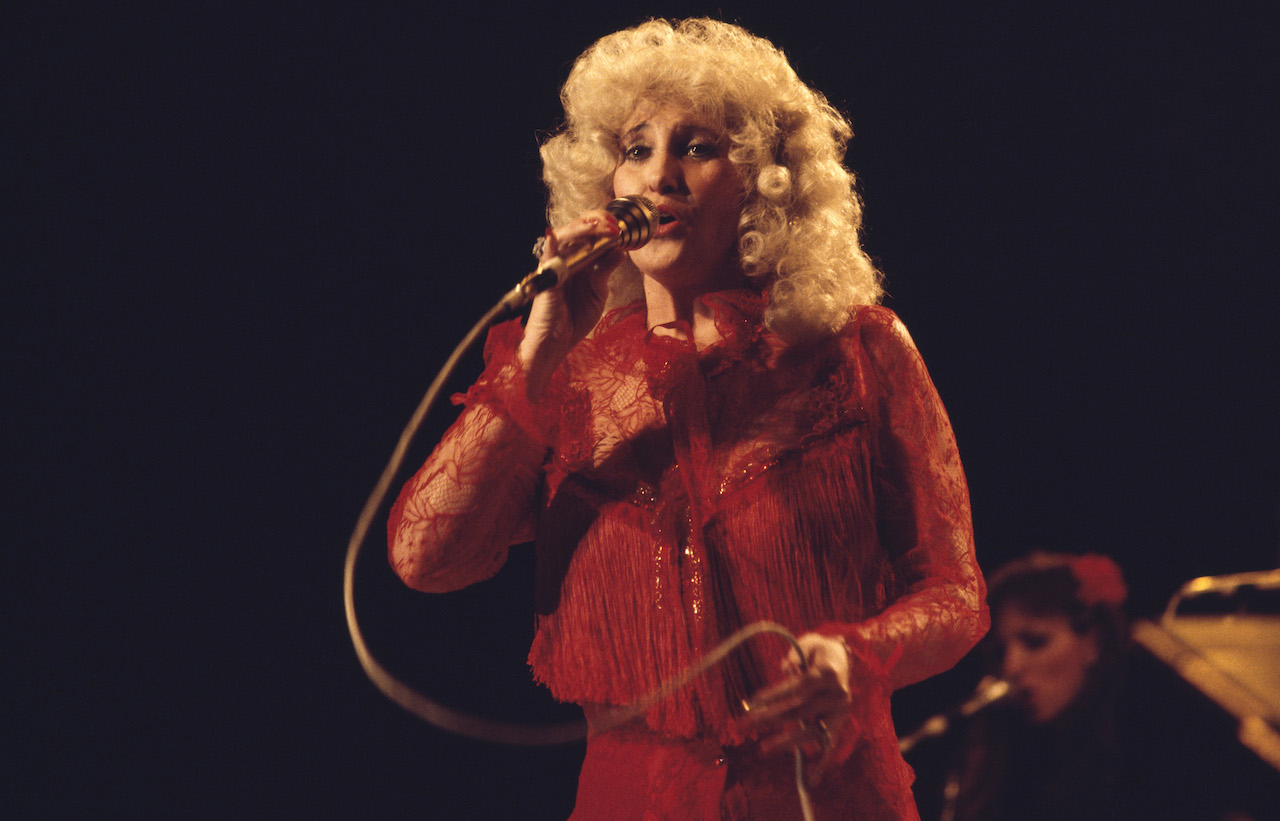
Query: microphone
point(989, 691)
point(637, 217)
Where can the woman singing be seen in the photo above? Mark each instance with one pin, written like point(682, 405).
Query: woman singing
point(719, 428)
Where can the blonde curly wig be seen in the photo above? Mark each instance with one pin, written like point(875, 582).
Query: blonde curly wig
point(799, 229)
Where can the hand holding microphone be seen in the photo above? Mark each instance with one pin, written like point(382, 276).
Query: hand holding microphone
point(568, 309)
point(636, 219)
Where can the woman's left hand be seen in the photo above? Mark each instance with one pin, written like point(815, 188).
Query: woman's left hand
point(811, 708)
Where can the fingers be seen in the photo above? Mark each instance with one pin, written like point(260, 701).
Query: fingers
point(821, 742)
point(812, 737)
point(830, 750)
point(594, 223)
point(810, 708)
point(563, 315)
point(802, 711)
point(575, 242)
point(818, 687)
point(799, 698)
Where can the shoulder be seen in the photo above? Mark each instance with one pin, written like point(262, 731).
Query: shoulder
point(876, 320)
point(879, 332)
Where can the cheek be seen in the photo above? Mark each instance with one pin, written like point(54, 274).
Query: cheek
point(727, 210)
point(1062, 664)
point(622, 184)
point(1063, 676)
point(1067, 677)
point(717, 181)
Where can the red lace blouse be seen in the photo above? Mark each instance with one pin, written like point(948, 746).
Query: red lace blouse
point(677, 495)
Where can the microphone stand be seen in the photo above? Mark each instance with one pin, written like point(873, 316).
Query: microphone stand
point(989, 691)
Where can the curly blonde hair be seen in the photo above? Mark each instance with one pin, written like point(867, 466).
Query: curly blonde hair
point(798, 233)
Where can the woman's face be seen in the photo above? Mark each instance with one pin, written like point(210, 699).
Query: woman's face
point(680, 162)
point(1044, 660)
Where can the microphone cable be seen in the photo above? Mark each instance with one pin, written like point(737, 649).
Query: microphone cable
point(476, 727)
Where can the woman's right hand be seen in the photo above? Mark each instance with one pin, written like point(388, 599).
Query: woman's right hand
point(562, 316)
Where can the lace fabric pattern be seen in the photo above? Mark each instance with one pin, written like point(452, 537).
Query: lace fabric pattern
point(676, 495)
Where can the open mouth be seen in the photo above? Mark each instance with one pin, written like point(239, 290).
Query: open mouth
point(665, 219)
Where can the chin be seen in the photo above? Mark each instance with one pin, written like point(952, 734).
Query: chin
point(1045, 715)
point(1032, 712)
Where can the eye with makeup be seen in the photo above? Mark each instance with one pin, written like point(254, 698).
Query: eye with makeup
point(702, 149)
point(698, 149)
point(636, 152)
point(1032, 641)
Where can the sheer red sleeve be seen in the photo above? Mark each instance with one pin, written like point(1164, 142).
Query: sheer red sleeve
point(476, 494)
point(923, 518)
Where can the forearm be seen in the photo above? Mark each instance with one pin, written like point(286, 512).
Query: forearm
point(923, 519)
point(923, 633)
point(469, 502)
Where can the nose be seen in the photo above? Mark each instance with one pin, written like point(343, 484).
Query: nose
point(665, 174)
point(1011, 666)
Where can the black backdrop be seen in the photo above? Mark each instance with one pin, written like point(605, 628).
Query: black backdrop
point(243, 237)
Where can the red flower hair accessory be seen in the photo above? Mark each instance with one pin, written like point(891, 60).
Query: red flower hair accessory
point(1099, 579)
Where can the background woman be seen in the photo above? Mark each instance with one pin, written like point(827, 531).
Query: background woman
point(716, 429)
point(1059, 638)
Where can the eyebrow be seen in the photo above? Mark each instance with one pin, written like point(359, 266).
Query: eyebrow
point(683, 129)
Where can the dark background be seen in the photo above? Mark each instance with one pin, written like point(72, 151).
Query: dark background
point(243, 238)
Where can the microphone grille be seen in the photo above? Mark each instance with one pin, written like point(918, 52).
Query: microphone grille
point(638, 218)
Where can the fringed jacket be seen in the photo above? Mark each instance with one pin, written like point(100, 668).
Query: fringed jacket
point(677, 495)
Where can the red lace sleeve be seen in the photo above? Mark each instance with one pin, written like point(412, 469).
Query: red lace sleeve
point(476, 494)
point(923, 517)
